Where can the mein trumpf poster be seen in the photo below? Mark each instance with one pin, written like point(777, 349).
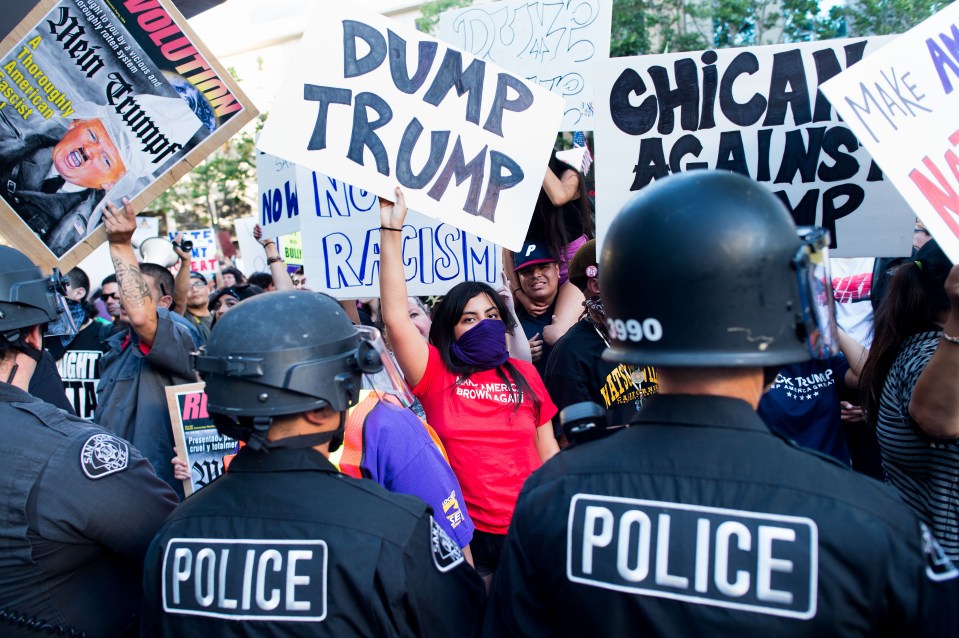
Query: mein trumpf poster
point(101, 100)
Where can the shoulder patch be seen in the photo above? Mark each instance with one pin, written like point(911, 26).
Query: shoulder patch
point(446, 553)
point(104, 454)
point(939, 567)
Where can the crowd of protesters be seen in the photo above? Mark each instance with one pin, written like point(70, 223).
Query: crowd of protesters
point(499, 381)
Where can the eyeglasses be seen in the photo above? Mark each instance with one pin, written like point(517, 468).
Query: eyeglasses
point(196, 285)
point(110, 295)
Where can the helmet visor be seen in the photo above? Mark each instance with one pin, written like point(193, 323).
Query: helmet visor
point(64, 325)
point(389, 380)
point(815, 292)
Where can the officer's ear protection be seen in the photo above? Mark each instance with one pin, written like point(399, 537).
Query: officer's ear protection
point(366, 360)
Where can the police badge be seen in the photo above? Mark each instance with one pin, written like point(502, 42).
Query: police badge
point(104, 454)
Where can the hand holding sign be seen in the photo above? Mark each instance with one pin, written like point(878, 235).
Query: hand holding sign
point(393, 214)
point(465, 139)
point(120, 223)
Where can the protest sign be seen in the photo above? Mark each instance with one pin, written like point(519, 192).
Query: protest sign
point(467, 141)
point(204, 255)
point(279, 205)
point(198, 444)
point(902, 103)
point(755, 111)
point(553, 44)
point(291, 249)
point(252, 256)
point(102, 100)
point(340, 239)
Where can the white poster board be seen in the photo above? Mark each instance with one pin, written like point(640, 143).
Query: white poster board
point(756, 111)
point(339, 228)
point(468, 142)
point(253, 257)
point(553, 44)
point(903, 104)
point(279, 205)
point(204, 250)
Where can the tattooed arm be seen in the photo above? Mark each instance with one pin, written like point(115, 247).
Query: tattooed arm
point(135, 294)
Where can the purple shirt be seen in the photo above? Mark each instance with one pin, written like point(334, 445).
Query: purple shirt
point(399, 454)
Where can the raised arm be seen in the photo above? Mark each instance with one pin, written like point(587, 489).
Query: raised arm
point(281, 276)
point(935, 399)
point(181, 285)
point(135, 296)
point(408, 345)
point(562, 189)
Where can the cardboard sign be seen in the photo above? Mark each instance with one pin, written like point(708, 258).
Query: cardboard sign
point(553, 44)
point(291, 249)
point(252, 256)
point(902, 103)
point(755, 111)
point(279, 205)
point(339, 242)
point(468, 142)
point(102, 100)
point(198, 444)
point(204, 256)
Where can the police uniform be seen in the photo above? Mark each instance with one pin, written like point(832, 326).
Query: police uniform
point(283, 544)
point(699, 521)
point(79, 509)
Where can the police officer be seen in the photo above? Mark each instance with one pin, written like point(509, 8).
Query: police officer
point(79, 505)
point(283, 544)
point(697, 520)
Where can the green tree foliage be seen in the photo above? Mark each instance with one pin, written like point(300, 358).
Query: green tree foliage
point(647, 26)
point(882, 17)
point(430, 13)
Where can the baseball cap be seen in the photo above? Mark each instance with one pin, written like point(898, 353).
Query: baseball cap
point(530, 255)
point(238, 292)
point(197, 275)
point(583, 265)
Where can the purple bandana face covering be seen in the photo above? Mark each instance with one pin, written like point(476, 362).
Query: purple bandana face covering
point(483, 346)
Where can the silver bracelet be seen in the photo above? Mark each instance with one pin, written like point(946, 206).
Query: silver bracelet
point(950, 339)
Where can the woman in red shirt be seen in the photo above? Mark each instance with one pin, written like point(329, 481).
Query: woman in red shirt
point(492, 412)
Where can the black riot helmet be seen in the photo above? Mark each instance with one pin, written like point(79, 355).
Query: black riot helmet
point(27, 298)
point(282, 353)
point(706, 269)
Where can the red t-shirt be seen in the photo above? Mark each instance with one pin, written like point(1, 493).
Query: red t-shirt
point(491, 448)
